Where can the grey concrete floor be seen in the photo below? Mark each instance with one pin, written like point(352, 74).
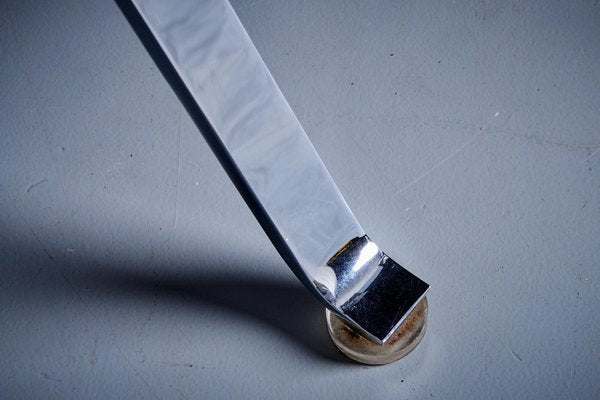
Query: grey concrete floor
point(464, 135)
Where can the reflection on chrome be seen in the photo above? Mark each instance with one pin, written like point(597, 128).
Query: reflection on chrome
point(366, 254)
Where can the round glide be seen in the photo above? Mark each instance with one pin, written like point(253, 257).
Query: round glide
point(403, 340)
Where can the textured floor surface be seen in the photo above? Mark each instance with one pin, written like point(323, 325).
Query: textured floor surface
point(465, 137)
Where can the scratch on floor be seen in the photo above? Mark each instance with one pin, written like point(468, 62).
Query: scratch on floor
point(181, 393)
point(18, 212)
point(175, 217)
point(80, 206)
point(482, 130)
point(37, 239)
point(34, 184)
point(538, 138)
point(516, 355)
point(178, 364)
point(592, 154)
point(94, 358)
point(437, 165)
point(48, 377)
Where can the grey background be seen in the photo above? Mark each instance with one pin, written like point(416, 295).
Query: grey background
point(130, 267)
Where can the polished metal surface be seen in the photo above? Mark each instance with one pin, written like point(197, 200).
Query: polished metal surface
point(208, 58)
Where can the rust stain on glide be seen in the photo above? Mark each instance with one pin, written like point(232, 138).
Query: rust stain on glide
point(403, 340)
point(410, 323)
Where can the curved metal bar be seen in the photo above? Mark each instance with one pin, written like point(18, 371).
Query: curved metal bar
point(208, 58)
